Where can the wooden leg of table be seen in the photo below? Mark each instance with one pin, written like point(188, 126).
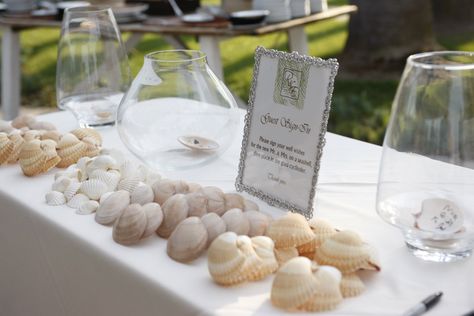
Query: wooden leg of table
point(297, 40)
point(175, 41)
point(210, 46)
point(10, 73)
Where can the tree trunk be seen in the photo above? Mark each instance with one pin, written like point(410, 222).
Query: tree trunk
point(384, 32)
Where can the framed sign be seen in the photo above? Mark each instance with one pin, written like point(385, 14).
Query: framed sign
point(285, 125)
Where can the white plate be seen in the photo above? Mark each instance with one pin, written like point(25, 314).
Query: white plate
point(197, 17)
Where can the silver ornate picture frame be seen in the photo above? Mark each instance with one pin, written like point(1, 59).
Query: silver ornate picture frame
point(285, 127)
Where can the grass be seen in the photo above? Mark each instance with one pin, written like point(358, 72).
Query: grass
point(361, 108)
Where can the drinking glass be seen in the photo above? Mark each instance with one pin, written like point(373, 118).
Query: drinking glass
point(426, 180)
point(92, 72)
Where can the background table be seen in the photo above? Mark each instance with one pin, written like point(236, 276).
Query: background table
point(54, 262)
point(208, 37)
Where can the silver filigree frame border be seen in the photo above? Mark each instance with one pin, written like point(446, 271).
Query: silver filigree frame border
point(333, 65)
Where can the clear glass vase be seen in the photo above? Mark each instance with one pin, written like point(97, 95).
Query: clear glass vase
point(177, 114)
point(426, 180)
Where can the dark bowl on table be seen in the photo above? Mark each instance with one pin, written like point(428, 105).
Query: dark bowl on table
point(248, 17)
point(63, 5)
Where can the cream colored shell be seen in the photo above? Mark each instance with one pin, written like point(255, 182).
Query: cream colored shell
point(130, 225)
point(328, 294)
point(236, 221)
point(175, 210)
point(188, 240)
point(351, 285)
point(291, 230)
point(214, 226)
point(215, 200)
point(111, 208)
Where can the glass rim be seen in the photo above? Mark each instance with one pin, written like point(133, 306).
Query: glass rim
point(195, 55)
point(88, 9)
point(413, 60)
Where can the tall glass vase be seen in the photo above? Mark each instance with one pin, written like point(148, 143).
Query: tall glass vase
point(426, 181)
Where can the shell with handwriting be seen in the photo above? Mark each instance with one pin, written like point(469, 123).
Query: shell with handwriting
point(188, 241)
point(236, 221)
point(351, 285)
point(70, 149)
point(111, 208)
point(294, 284)
point(291, 230)
point(130, 225)
point(215, 200)
point(154, 218)
point(175, 210)
point(328, 294)
point(6, 148)
point(214, 226)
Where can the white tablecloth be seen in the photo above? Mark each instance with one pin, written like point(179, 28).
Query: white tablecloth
point(54, 262)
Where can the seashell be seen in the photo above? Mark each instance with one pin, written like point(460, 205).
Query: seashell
point(351, 285)
point(175, 210)
point(112, 206)
point(72, 189)
point(77, 200)
point(197, 203)
point(41, 125)
point(37, 157)
point(18, 143)
point(154, 216)
point(114, 153)
point(5, 127)
point(94, 188)
point(294, 284)
point(250, 206)
point(104, 196)
point(291, 230)
point(236, 221)
point(23, 120)
point(233, 200)
point(51, 134)
point(129, 225)
point(87, 208)
point(225, 260)
point(194, 187)
point(61, 184)
point(142, 194)
point(374, 261)
point(55, 198)
point(129, 184)
point(328, 294)
point(82, 133)
point(152, 177)
point(6, 148)
point(214, 226)
point(70, 149)
point(258, 223)
point(51, 156)
point(104, 162)
point(344, 250)
point(251, 269)
point(322, 230)
point(92, 149)
point(110, 179)
point(83, 162)
point(31, 135)
point(215, 200)
point(264, 247)
point(285, 254)
point(164, 189)
point(188, 241)
point(129, 169)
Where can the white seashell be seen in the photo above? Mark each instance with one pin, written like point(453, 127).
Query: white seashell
point(175, 210)
point(142, 194)
point(114, 153)
point(77, 200)
point(129, 225)
point(94, 188)
point(152, 177)
point(154, 216)
point(236, 221)
point(110, 178)
point(104, 162)
point(129, 169)
point(214, 226)
point(188, 241)
point(215, 200)
point(72, 175)
point(197, 203)
point(87, 208)
point(72, 189)
point(440, 216)
point(250, 206)
point(61, 184)
point(111, 208)
point(258, 223)
point(104, 196)
point(55, 198)
point(82, 163)
point(128, 184)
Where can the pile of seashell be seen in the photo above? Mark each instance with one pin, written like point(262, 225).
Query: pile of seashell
point(137, 202)
point(39, 147)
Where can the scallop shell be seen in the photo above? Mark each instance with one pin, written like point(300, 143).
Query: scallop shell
point(294, 284)
point(82, 133)
point(111, 179)
point(70, 149)
point(164, 189)
point(111, 208)
point(258, 223)
point(351, 285)
point(94, 188)
point(93, 148)
point(6, 148)
point(18, 143)
point(328, 294)
point(55, 198)
point(197, 203)
point(41, 125)
point(130, 225)
point(233, 200)
point(322, 230)
point(291, 230)
point(129, 184)
point(285, 254)
point(344, 250)
point(103, 162)
point(31, 135)
point(225, 260)
point(51, 134)
point(264, 247)
point(251, 269)
point(87, 208)
point(114, 153)
point(22, 120)
point(72, 189)
point(142, 194)
point(37, 157)
point(105, 196)
point(61, 184)
point(236, 221)
point(175, 210)
point(77, 200)
point(51, 156)
point(215, 200)
point(154, 218)
point(188, 241)
point(214, 226)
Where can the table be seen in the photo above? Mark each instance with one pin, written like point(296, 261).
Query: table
point(208, 38)
point(54, 262)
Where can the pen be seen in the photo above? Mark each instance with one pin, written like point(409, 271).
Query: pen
point(424, 305)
